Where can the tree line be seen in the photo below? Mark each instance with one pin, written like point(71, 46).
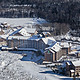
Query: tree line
point(60, 11)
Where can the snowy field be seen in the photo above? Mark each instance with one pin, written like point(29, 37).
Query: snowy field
point(22, 21)
point(12, 68)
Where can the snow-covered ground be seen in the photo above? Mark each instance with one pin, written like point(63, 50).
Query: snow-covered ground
point(12, 68)
point(22, 21)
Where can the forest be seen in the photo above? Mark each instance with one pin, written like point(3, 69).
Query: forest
point(60, 11)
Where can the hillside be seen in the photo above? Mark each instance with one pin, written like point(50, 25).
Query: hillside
point(12, 68)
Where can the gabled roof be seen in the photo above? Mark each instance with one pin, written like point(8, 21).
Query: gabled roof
point(52, 51)
point(21, 31)
point(48, 40)
point(55, 47)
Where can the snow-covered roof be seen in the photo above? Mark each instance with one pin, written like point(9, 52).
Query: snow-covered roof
point(35, 37)
point(65, 44)
point(77, 47)
point(48, 40)
point(8, 32)
point(4, 36)
point(69, 63)
point(17, 37)
point(54, 47)
point(72, 70)
point(24, 32)
point(21, 31)
point(78, 39)
point(76, 63)
point(45, 33)
point(74, 38)
point(29, 49)
point(52, 51)
point(72, 52)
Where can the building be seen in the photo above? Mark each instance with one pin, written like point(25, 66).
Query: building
point(75, 50)
point(38, 42)
point(56, 51)
point(66, 47)
point(69, 68)
point(31, 31)
point(73, 68)
point(20, 32)
point(3, 41)
point(53, 53)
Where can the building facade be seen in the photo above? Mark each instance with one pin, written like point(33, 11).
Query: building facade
point(37, 42)
point(73, 68)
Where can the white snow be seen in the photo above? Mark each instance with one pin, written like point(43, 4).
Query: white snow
point(76, 63)
point(48, 40)
point(76, 47)
point(18, 37)
point(29, 49)
point(54, 47)
point(65, 44)
point(72, 70)
point(22, 21)
point(12, 68)
point(30, 30)
point(21, 31)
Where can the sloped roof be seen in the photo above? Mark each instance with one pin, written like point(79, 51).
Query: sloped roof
point(22, 31)
point(52, 51)
point(17, 37)
point(76, 63)
point(55, 47)
point(35, 37)
point(65, 44)
point(75, 47)
point(4, 36)
point(48, 40)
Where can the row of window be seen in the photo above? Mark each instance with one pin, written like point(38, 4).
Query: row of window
point(27, 43)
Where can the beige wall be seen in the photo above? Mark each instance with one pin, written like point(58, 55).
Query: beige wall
point(77, 70)
point(53, 56)
point(21, 43)
point(48, 57)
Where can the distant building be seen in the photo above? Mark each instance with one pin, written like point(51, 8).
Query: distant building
point(53, 53)
point(3, 40)
point(1, 32)
point(66, 47)
point(73, 68)
point(56, 51)
point(75, 51)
